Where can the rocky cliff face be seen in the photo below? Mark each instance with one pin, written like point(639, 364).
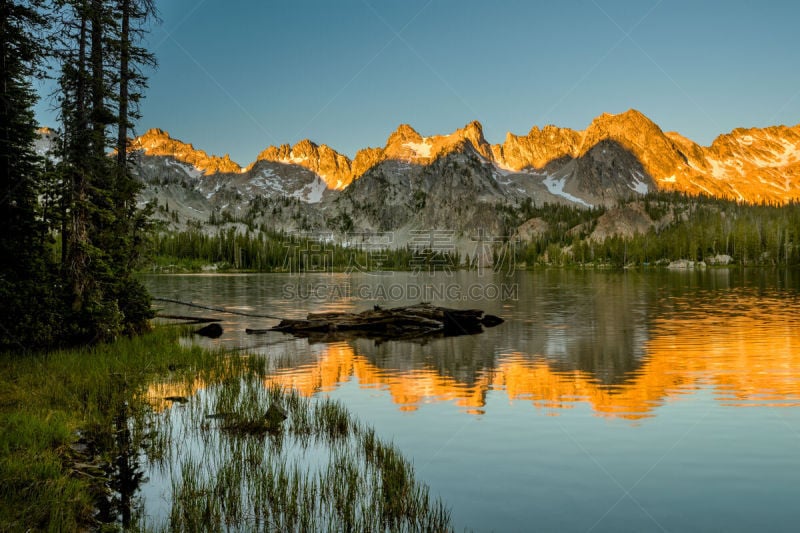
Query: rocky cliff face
point(405, 144)
point(156, 142)
point(332, 167)
point(194, 186)
point(456, 181)
point(754, 165)
point(454, 191)
point(538, 149)
point(751, 165)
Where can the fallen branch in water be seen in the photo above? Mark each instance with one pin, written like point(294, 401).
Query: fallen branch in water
point(190, 319)
point(217, 309)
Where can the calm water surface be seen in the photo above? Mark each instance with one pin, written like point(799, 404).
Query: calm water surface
point(635, 401)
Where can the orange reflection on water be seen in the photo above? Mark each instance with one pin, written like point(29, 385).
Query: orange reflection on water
point(157, 394)
point(339, 362)
point(748, 357)
point(751, 357)
point(546, 388)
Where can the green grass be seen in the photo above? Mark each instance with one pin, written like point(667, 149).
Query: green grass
point(68, 417)
point(48, 401)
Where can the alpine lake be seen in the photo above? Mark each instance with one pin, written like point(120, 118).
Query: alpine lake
point(638, 400)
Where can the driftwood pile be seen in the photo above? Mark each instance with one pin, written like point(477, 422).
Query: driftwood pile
point(420, 320)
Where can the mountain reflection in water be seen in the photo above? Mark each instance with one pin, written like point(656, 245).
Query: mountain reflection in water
point(743, 346)
point(693, 379)
point(623, 343)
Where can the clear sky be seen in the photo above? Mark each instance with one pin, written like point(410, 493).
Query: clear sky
point(238, 75)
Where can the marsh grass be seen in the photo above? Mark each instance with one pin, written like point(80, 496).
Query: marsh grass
point(319, 469)
point(60, 415)
point(83, 426)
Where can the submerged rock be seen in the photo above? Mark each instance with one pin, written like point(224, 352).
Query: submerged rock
point(491, 321)
point(212, 331)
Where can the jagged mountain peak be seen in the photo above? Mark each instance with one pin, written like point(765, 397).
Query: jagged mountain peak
point(154, 138)
point(472, 132)
point(631, 123)
point(621, 152)
point(403, 133)
point(305, 145)
point(155, 132)
point(631, 114)
point(640, 136)
point(538, 148)
point(331, 166)
point(406, 144)
point(747, 137)
point(473, 129)
point(157, 142)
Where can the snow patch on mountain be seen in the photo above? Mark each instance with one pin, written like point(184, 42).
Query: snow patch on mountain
point(717, 170)
point(265, 179)
point(556, 187)
point(421, 149)
point(188, 169)
point(293, 159)
point(638, 185)
point(312, 193)
point(788, 155)
point(504, 170)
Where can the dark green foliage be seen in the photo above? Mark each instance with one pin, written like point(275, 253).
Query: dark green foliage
point(27, 320)
point(695, 228)
point(73, 232)
point(102, 237)
point(265, 251)
point(343, 223)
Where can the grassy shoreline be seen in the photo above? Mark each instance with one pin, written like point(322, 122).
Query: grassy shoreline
point(63, 415)
point(49, 478)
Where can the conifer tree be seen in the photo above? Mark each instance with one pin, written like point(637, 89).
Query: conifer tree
point(87, 198)
point(28, 318)
point(132, 223)
point(101, 83)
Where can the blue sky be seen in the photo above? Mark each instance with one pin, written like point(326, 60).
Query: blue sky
point(237, 76)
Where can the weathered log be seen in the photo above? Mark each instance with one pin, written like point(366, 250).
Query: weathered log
point(400, 322)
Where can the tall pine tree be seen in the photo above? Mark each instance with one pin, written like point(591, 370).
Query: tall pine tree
point(89, 200)
point(28, 314)
point(132, 223)
point(101, 84)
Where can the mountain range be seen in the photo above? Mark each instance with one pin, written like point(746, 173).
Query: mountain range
point(458, 181)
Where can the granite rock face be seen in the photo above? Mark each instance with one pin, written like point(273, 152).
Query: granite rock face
point(460, 182)
point(156, 142)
